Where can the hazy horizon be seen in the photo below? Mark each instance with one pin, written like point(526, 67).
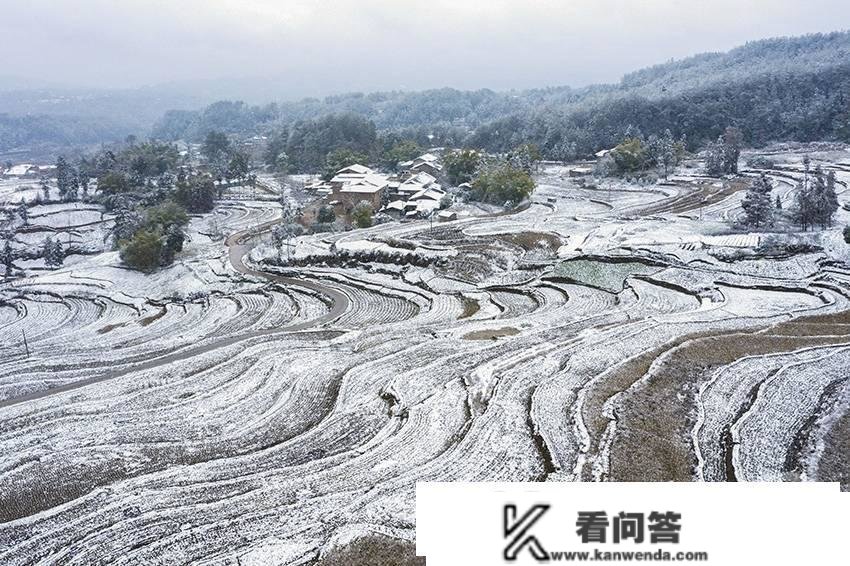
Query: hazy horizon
point(296, 48)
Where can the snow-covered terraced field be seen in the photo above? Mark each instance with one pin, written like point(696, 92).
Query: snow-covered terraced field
point(225, 410)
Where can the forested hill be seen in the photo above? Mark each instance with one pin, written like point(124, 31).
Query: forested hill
point(801, 106)
point(777, 89)
point(757, 58)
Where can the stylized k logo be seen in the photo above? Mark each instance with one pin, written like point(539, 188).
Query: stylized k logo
point(516, 530)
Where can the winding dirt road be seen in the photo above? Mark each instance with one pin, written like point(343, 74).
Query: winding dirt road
point(238, 247)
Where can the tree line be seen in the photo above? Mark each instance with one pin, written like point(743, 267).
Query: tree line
point(815, 201)
point(784, 89)
point(807, 106)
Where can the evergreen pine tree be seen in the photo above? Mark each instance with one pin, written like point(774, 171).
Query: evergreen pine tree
point(714, 158)
point(829, 200)
point(127, 222)
point(73, 193)
point(52, 252)
point(279, 238)
point(45, 189)
point(733, 140)
point(58, 253)
point(823, 202)
point(172, 243)
point(803, 205)
point(84, 175)
point(668, 153)
point(7, 257)
point(48, 251)
point(64, 177)
point(722, 156)
point(757, 203)
point(817, 193)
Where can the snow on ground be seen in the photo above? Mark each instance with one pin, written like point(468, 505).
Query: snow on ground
point(209, 413)
point(14, 191)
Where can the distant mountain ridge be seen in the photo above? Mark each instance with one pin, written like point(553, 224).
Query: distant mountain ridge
point(551, 117)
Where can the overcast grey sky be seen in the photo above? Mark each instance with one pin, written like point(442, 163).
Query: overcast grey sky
point(333, 46)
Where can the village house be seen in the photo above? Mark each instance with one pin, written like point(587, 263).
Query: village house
point(369, 190)
point(348, 175)
point(414, 184)
point(424, 202)
point(417, 196)
point(412, 194)
point(395, 208)
point(434, 169)
point(352, 185)
point(427, 163)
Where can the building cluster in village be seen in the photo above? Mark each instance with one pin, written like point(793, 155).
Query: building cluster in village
point(412, 193)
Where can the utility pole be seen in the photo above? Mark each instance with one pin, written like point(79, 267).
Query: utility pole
point(26, 346)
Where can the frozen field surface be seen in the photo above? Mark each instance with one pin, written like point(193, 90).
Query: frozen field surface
point(228, 409)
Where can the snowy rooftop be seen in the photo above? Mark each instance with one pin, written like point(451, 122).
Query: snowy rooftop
point(421, 178)
point(430, 194)
point(356, 168)
point(364, 188)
